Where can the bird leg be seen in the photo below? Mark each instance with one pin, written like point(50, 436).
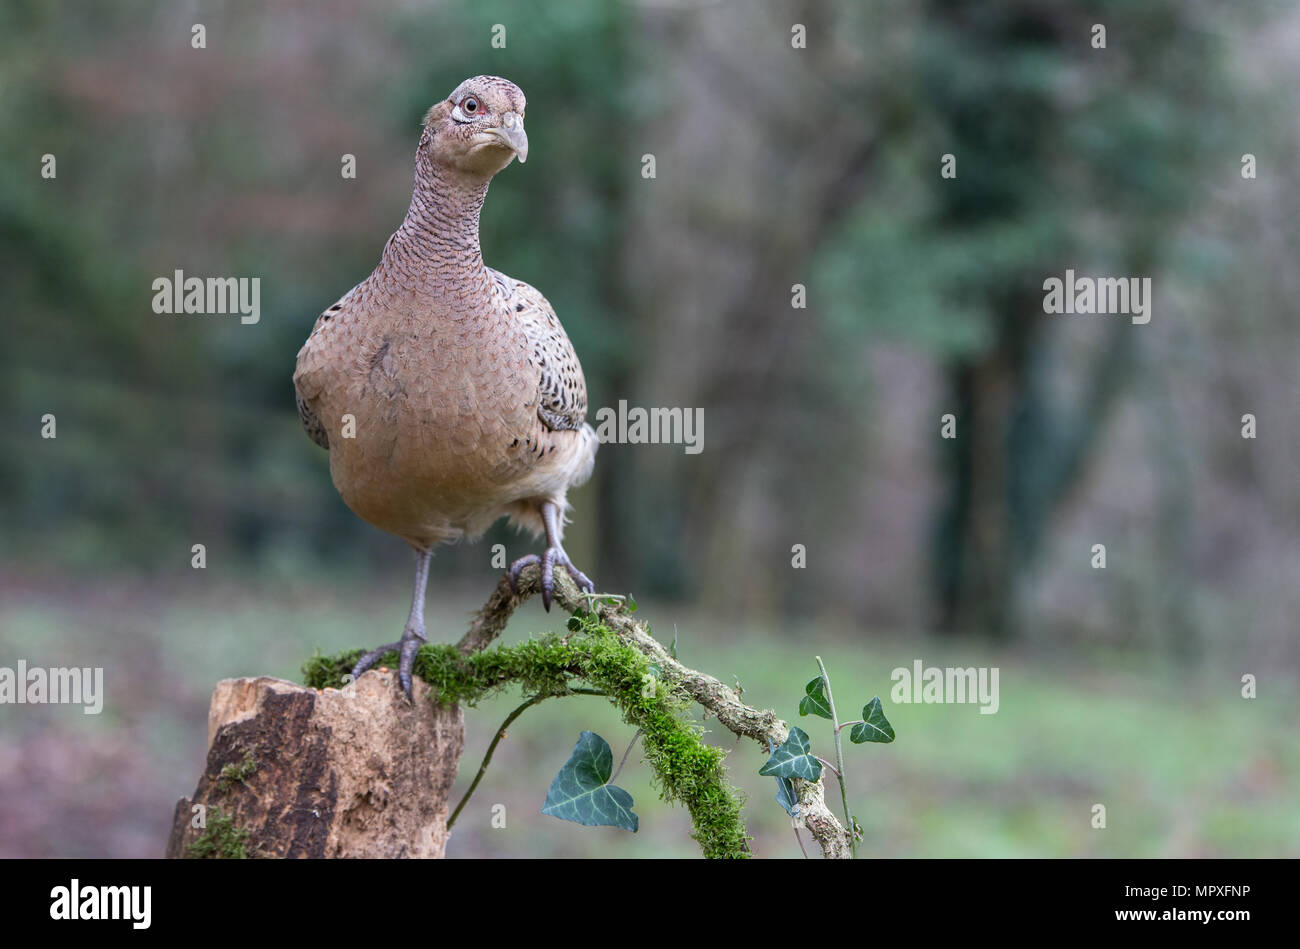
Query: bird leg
point(412, 636)
point(553, 555)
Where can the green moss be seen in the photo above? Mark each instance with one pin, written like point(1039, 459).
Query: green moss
point(221, 840)
point(543, 665)
point(686, 769)
point(236, 772)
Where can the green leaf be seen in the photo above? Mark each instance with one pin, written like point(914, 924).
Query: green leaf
point(580, 792)
point(792, 760)
point(632, 607)
point(874, 726)
point(784, 790)
point(814, 701)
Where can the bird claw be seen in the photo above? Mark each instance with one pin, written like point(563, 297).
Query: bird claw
point(548, 560)
point(406, 648)
point(517, 568)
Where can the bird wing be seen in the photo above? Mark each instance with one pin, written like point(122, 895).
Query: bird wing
point(311, 423)
point(561, 388)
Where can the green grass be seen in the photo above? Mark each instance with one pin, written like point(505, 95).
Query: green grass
point(1183, 764)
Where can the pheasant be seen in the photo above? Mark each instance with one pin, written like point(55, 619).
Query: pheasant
point(447, 394)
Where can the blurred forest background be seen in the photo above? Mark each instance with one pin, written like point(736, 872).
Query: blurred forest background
point(775, 166)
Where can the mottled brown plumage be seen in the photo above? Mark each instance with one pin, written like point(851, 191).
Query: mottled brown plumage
point(448, 394)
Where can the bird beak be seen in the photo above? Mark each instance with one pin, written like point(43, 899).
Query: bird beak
point(512, 135)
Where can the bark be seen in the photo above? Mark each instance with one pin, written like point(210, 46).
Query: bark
point(353, 773)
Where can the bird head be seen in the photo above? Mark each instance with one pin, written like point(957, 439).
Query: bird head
point(479, 128)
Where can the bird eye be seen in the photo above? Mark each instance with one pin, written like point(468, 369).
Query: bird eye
point(469, 105)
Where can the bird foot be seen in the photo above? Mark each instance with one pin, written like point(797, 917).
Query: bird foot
point(406, 648)
point(548, 560)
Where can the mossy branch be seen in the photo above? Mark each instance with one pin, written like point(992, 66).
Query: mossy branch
point(608, 649)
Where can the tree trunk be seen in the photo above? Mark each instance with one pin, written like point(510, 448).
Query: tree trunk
point(296, 772)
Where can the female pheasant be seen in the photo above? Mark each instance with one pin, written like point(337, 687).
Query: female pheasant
point(446, 393)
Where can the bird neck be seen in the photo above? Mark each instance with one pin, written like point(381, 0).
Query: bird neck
point(441, 226)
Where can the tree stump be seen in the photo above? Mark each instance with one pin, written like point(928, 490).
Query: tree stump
point(293, 772)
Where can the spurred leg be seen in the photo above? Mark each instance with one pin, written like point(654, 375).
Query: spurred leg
point(413, 636)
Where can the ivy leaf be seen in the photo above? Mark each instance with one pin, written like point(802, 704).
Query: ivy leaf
point(792, 760)
point(580, 792)
point(874, 726)
point(784, 790)
point(814, 701)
